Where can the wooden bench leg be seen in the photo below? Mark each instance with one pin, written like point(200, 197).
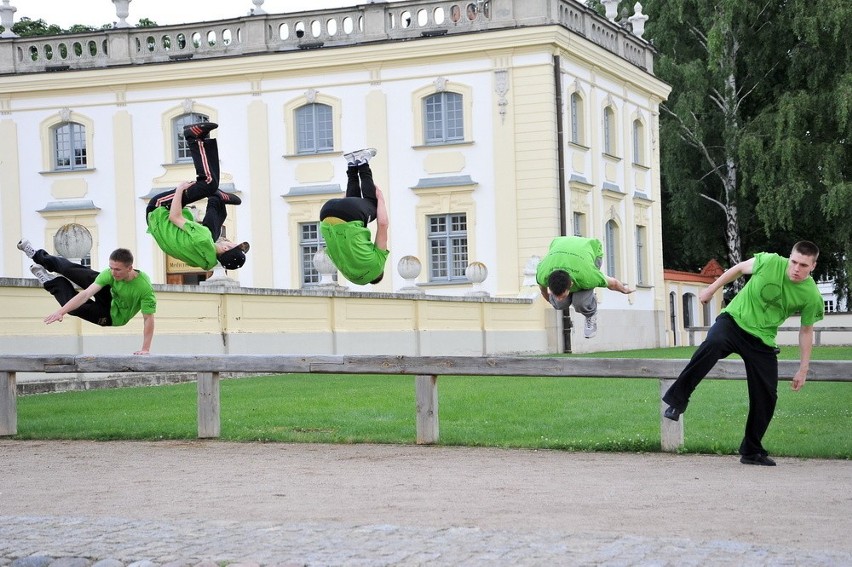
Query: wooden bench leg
point(426, 393)
point(8, 404)
point(671, 432)
point(209, 423)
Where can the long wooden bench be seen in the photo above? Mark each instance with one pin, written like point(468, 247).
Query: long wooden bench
point(425, 369)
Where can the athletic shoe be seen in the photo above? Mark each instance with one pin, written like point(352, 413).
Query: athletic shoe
point(229, 198)
point(672, 413)
point(757, 459)
point(41, 274)
point(199, 130)
point(360, 157)
point(591, 327)
point(27, 248)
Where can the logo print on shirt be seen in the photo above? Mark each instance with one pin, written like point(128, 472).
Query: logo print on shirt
point(771, 296)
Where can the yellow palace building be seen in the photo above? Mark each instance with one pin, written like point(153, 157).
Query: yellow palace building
point(498, 125)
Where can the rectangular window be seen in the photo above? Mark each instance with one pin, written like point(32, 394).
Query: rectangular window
point(611, 237)
point(579, 224)
point(447, 247)
point(182, 153)
point(314, 129)
point(69, 141)
point(310, 242)
point(444, 118)
point(641, 262)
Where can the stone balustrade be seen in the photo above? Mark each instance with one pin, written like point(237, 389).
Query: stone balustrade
point(274, 33)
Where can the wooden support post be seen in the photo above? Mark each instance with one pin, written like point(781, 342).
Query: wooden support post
point(426, 394)
point(208, 405)
point(8, 404)
point(671, 432)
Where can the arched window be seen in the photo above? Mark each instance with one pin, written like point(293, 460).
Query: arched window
point(688, 310)
point(443, 114)
point(609, 131)
point(182, 154)
point(673, 315)
point(576, 110)
point(314, 129)
point(639, 143)
point(69, 146)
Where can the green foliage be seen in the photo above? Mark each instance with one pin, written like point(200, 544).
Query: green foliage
point(548, 413)
point(25, 27)
point(761, 94)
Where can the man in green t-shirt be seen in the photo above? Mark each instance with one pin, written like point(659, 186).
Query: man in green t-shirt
point(778, 288)
point(569, 273)
point(109, 298)
point(174, 228)
point(343, 223)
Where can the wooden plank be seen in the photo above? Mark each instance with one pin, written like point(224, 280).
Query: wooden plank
point(248, 363)
point(34, 362)
point(732, 369)
point(426, 396)
point(8, 404)
point(671, 432)
point(209, 423)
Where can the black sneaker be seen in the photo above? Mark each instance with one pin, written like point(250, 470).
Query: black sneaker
point(229, 198)
point(757, 459)
point(199, 130)
point(672, 413)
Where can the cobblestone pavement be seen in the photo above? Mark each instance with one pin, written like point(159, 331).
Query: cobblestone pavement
point(208, 504)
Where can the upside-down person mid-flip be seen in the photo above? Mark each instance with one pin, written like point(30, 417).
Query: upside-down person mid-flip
point(344, 224)
point(174, 227)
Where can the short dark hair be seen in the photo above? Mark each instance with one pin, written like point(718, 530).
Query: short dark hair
point(122, 255)
point(559, 282)
point(806, 248)
point(378, 278)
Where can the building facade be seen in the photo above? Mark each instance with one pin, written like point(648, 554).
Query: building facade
point(499, 125)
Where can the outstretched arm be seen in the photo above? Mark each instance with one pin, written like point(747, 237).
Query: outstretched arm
point(806, 343)
point(731, 274)
point(176, 210)
point(617, 285)
point(147, 333)
point(382, 221)
point(76, 301)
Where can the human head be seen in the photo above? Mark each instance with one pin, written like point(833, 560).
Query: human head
point(121, 264)
point(231, 256)
point(559, 282)
point(378, 279)
point(802, 260)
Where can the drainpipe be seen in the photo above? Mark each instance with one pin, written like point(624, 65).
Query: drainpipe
point(560, 177)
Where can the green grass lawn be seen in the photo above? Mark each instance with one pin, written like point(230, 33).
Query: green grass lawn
point(551, 413)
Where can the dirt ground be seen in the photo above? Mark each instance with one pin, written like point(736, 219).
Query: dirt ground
point(800, 503)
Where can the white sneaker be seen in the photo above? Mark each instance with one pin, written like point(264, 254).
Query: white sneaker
point(41, 274)
point(27, 248)
point(591, 327)
point(360, 157)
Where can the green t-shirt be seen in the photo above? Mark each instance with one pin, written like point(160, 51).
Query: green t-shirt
point(128, 297)
point(580, 257)
point(350, 247)
point(770, 297)
point(192, 244)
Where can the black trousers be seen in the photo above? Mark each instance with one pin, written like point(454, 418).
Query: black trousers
point(360, 202)
point(761, 363)
point(97, 309)
point(205, 157)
